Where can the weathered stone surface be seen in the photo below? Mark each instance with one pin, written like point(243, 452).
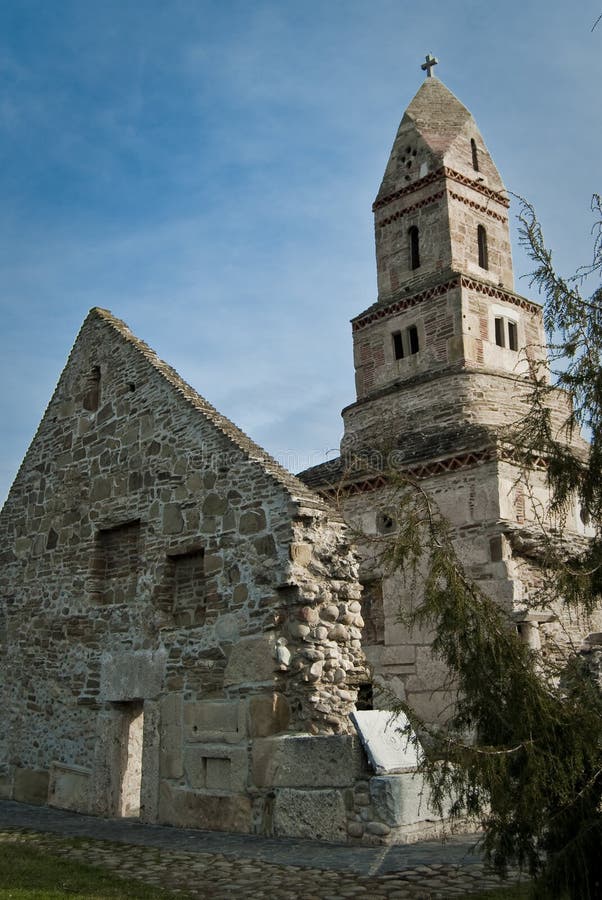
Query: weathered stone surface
point(214, 505)
point(400, 799)
point(378, 828)
point(68, 787)
point(389, 747)
point(171, 720)
point(216, 767)
point(132, 675)
point(214, 720)
point(252, 660)
point(298, 760)
point(197, 809)
point(151, 750)
point(173, 520)
point(301, 554)
point(267, 714)
point(30, 786)
point(316, 815)
point(252, 521)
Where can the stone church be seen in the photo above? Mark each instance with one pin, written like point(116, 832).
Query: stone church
point(186, 627)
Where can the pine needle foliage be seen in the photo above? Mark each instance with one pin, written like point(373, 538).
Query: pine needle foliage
point(522, 750)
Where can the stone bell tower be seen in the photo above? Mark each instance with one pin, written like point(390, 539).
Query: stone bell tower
point(442, 367)
point(446, 310)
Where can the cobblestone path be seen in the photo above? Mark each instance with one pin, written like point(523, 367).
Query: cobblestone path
point(222, 866)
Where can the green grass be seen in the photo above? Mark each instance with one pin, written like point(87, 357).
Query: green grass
point(28, 873)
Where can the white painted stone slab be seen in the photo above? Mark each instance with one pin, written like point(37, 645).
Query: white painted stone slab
point(388, 745)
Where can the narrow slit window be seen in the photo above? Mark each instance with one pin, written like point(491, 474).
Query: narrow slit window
point(91, 398)
point(398, 345)
point(499, 333)
point(413, 339)
point(414, 247)
point(475, 154)
point(482, 242)
point(512, 336)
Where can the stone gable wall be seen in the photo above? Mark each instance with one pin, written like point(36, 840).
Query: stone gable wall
point(147, 560)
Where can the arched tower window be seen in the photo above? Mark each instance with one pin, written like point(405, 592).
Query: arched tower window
point(482, 242)
point(414, 247)
point(475, 154)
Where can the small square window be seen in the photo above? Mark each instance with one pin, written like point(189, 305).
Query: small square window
point(406, 342)
point(506, 333)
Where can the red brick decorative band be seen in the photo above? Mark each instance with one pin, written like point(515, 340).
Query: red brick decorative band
point(489, 290)
point(438, 467)
point(443, 172)
point(482, 209)
point(405, 303)
point(410, 209)
point(498, 293)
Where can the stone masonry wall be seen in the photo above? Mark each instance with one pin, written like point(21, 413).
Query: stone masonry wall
point(155, 562)
point(495, 516)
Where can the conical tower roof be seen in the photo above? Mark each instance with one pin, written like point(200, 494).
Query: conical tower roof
point(437, 130)
point(437, 115)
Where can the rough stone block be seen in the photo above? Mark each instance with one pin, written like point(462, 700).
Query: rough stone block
point(301, 554)
point(400, 799)
point(171, 736)
point(389, 746)
point(267, 714)
point(194, 809)
point(214, 720)
point(31, 786)
point(252, 521)
point(251, 661)
point(133, 675)
point(306, 760)
point(316, 815)
point(432, 706)
point(215, 767)
point(173, 520)
point(68, 787)
point(398, 655)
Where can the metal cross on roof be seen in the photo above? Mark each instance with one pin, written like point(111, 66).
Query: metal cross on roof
point(430, 61)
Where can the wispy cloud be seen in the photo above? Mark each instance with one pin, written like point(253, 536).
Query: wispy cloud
point(206, 171)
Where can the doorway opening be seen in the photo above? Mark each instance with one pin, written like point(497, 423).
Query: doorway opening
point(131, 759)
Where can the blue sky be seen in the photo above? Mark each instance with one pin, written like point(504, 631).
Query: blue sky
point(206, 170)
